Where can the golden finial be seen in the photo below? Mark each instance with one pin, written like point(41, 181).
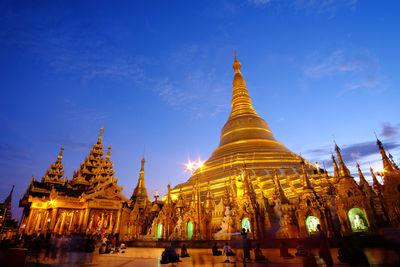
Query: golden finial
point(61, 153)
point(101, 134)
point(236, 65)
point(109, 151)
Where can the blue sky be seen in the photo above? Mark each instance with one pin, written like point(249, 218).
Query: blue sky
point(158, 75)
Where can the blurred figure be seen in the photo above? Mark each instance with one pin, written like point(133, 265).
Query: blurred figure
point(324, 251)
point(246, 243)
point(228, 252)
point(173, 256)
point(352, 255)
point(184, 252)
point(164, 256)
point(284, 251)
point(258, 254)
point(301, 251)
point(215, 250)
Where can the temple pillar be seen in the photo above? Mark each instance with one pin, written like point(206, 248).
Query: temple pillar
point(29, 221)
point(53, 219)
point(118, 222)
point(80, 222)
point(71, 222)
point(45, 224)
point(62, 223)
point(85, 220)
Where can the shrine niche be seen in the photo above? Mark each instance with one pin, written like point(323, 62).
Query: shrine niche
point(246, 224)
point(159, 232)
point(311, 224)
point(189, 227)
point(358, 220)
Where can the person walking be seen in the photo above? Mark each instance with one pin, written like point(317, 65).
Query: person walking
point(228, 252)
point(324, 251)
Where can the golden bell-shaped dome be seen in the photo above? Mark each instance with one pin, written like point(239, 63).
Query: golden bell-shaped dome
point(245, 137)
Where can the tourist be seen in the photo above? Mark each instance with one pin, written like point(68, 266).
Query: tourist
point(228, 252)
point(184, 252)
point(301, 251)
point(352, 255)
point(324, 251)
point(164, 256)
point(284, 251)
point(173, 256)
point(215, 250)
point(258, 254)
point(246, 244)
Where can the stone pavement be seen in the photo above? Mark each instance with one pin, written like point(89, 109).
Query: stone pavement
point(144, 257)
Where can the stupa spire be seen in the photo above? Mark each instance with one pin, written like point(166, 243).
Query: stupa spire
point(140, 195)
point(387, 164)
point(363, 181)
point(343, 170)
point(377, 186)
point(241, 102)
point(335, 167)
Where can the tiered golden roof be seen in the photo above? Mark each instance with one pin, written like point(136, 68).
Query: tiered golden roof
point(95, 169)
point(55, 173)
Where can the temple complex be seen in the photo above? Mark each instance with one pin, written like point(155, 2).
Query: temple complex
point(250, 181)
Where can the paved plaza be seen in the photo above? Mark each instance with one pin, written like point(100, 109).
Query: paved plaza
point(143, 257)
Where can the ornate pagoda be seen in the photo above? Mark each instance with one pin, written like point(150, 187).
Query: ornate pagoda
point(91, 202)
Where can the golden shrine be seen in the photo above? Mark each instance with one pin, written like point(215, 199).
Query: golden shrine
point(250, 181)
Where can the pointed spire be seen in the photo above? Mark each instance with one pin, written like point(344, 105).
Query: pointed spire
point(377, 186)
point(306, 180)
point(60, 155)
point(343, 170)
point(9, 197)
point(236, 64)
point(140, 195)
point(169, 198)
point(241, 102)
point(142, 168)
point(335, 167)
point(387, 164)
point(363, 181)
point(108, 151)
point(100, 135)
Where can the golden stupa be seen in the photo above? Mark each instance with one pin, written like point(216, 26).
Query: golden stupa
point(247, 142)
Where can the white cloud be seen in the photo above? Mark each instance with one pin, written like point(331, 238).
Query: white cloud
point(259, 2)
point(360, 70)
